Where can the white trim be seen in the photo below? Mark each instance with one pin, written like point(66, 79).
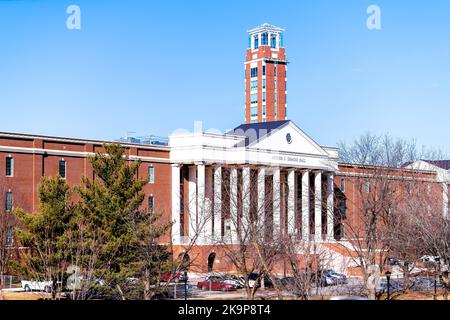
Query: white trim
point(76, 154)
point(79, 141)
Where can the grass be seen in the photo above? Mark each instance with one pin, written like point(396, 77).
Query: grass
point(22, 296)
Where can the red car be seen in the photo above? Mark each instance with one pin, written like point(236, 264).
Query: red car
point(215, 284)
point(166, 277)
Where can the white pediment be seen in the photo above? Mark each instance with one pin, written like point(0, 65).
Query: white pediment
point(289, 138)
point(442, 174)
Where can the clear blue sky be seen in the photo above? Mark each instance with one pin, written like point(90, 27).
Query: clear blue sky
point(154, 66)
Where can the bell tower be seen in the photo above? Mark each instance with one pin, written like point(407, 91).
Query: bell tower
point(265, 75)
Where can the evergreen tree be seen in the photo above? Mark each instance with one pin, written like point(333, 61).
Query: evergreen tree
point(118, 228)
point(42, 233)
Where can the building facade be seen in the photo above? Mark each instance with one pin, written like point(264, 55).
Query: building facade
point(209, 185)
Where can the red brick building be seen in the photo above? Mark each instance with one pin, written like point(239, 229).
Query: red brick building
point(197, 176)
point(25, 159)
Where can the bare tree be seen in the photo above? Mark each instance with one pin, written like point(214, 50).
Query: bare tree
point(251, 239)
point(381, 188)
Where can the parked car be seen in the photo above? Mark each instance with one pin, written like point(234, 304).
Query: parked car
point(323, 279)
point(340, 278)
point(173, 291)
point(168, 277)
point(228, 278)
point(432, 259)
point(392, 261)
point(29, 286)
point(233, 280)
point(251, 283)
point(254, 276)
point(215, 283)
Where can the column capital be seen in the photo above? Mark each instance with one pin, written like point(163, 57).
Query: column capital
point(199, 163)
point(262, 169)
point(175, 165)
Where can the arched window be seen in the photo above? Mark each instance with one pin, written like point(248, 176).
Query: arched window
point(211, 260)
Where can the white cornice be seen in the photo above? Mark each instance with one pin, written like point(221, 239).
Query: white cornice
point(75, 154)
point(79, 141)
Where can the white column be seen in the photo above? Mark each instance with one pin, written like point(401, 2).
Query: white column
point(233, 204)
point(318, 205)
point(445, 199)
point(305, 205)
point(330, 206)
point(276, 202)
point(217, 203)
point(246, 189)
point(261, 196)
point(207, 212)
point(192, 201)
point(291, 203)
point(176, 227)
point(201, 213)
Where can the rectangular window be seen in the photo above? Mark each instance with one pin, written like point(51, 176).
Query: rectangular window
point(254, 72)
point(264, 83)
point(249, 42)
point(62, 168)
point(151, 175)
point(253, 111)
point(264, 39)
point(264, 70)
point(254, 98)
point(9, 166)
point(273, 41)
point(264, 109)
point(367, 186)
point(264, 96)
point(151, 204)
point(9, 201)
point(254, 85)
point(281, 41)
point(256, 42)
point(10, 237)
point(343, 184)
point(342, 208)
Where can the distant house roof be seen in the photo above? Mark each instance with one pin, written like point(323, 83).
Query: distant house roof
point(443, 164)
point(254, 131)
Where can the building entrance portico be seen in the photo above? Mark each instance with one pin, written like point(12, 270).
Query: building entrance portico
point(268, 174)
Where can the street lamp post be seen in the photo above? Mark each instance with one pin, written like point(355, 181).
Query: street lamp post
point(185, 279)
point(437, 268)
point(388, 278)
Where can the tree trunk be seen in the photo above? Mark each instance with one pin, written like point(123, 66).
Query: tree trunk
point(405, 277)
point(147, 295)
point(120, 292)
point(372, 294)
